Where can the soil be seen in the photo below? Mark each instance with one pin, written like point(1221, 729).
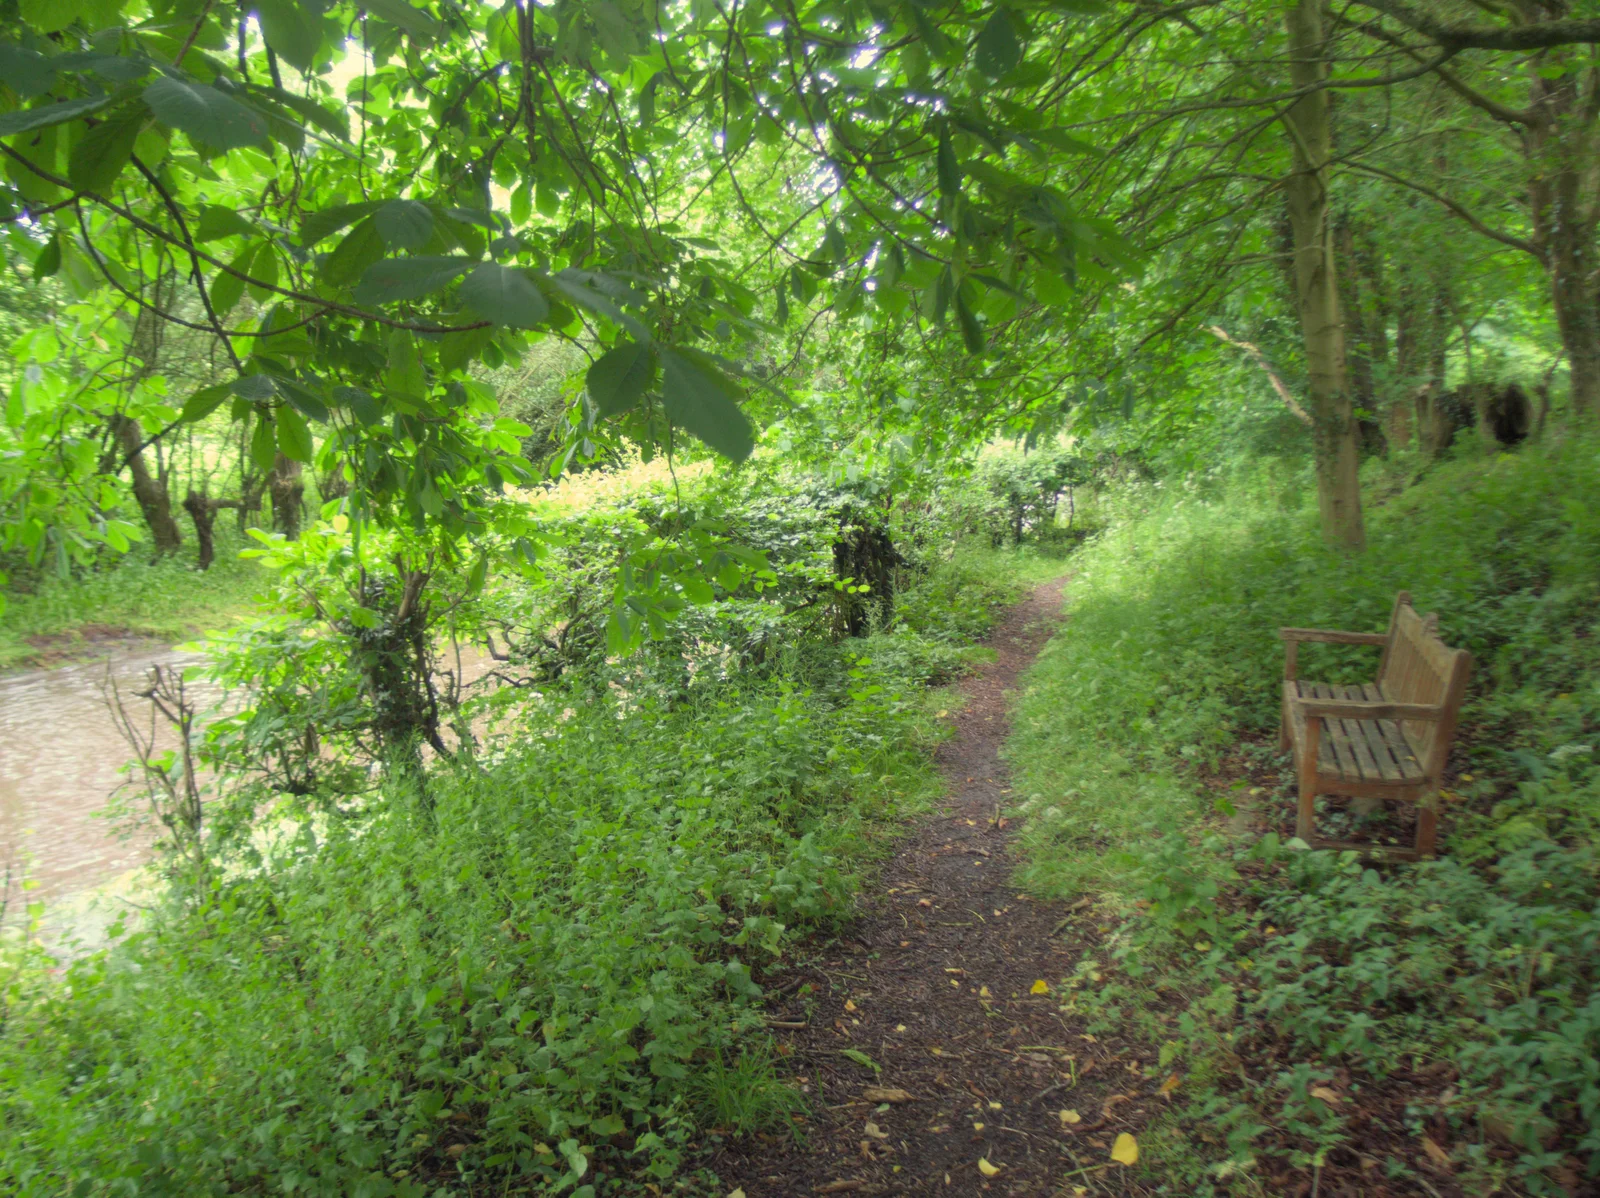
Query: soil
point(82, 643)
point(938, 985)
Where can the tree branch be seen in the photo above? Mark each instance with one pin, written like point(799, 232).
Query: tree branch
point(1459, 35)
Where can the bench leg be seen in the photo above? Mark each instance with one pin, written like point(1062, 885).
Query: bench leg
point(1427, 825)
point(1284, 743)
point(1305, 819)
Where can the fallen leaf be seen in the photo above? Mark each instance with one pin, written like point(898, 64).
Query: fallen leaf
point(1436, 1154)
point(1078, 1190)
point(1173, 1081)
point(1039, 987)
point(986, 1168)
point(876, 1132)
point(1126, 1149)
point(941, 715)
point(1070, 1116)
point(924, 902)
point(899, 1027)
point(886, 1094)
point(456, 1150)
point(1327, 1095)
point(860, 1058)
point(850, 1006)
point(955, 983)
point(983, 992)
point(736, 1193)
point(977, 1127)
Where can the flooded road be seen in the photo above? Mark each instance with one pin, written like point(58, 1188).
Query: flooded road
point(61, 758)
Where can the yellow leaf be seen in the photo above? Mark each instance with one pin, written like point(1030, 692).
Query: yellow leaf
point(941, 715)
point(1171, 1084)
point(986, 1168)
point(1079, 1190)
point(736, 1193)
point(983, 992)
point(1327, 1095)
point(1126, 1150)
point(1039, 987)
point(1070, 1116)
point(1437, 1154)
point(850, 1006)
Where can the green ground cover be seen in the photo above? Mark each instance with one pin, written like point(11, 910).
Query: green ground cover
point(1455, 999)
point(51, 617)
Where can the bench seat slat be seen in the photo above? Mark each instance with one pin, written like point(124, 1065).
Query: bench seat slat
point(1373, 751)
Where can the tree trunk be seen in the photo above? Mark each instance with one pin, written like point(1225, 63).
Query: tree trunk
point(150, 494)
point(1560, 149)
point(287, 490)
point(204, 514)
point(1316, 285)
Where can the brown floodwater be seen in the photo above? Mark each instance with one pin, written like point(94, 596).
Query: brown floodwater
point(61, 758)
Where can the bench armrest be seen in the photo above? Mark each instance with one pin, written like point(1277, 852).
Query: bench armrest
point(1354, 709)
point(1292, 637)
point(1333, 638)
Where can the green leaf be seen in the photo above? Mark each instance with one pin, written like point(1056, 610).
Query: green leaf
point(404, 224)
point(458, 348)
point(398, 12)
point(619, 377)
point(216, 221)
point(216, 121)
point(971, 330)
point(361, 248)
point(361, 404)
point(326, 223)
point(25, 120)
point(26, 72)
point(294, 435)
point(949, 169)
point(336, 123)
point(504, 295)
point(291, 29)
point(998, 49)
point(227, 288)
point(49, 259)
point(264, 442)
point(205, 401)
point(701, 399)
point(576, 287)
point(257, 388)
point(396, 279)
point(306, 402)
point(404, 375)
point(102, 152)
point(861, 1058)
point(1062, 140)
point(941, 47)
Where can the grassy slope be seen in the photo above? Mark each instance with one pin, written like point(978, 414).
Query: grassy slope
point(166, 599)
point(1154, 711)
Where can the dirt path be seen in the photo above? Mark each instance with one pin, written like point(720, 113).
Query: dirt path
point(934, 984)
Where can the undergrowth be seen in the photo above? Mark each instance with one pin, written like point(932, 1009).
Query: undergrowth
point(533, 969)
point(1316, 1010)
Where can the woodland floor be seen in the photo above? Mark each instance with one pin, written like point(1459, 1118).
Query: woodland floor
point(935, 984)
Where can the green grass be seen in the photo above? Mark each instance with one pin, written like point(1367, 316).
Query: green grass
point(167, 599)
point(1163, 686)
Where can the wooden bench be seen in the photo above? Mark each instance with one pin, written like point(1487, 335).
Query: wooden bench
point(1387, 739)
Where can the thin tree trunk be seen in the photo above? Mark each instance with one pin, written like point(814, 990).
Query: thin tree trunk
point(287, 490)
point(151, 496)
point(1334, 430)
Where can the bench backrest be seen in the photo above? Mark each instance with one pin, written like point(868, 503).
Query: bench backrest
point(1418, 667)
